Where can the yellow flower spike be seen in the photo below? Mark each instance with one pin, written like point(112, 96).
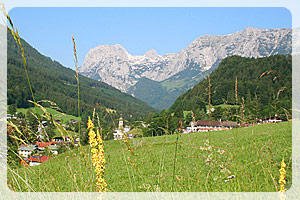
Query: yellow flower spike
point(282, 180)
point(90, 124)
point(98, 159)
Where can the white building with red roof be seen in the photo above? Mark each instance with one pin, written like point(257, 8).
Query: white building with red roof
point(37, 160)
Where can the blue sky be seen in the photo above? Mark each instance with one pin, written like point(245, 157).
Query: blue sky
point(167, 30)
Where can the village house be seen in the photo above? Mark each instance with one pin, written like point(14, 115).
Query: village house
point(119, 133)
point(270, 120)
point(9, 116)
point(36, 160)
point(65, 139)
point(42, 145)
point(26, 150)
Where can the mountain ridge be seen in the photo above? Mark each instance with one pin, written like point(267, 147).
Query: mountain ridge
point(115, 66)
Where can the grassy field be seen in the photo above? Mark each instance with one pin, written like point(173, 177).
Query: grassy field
point(197, 162)
point(55, 113)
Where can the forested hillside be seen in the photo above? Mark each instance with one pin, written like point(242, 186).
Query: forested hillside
point(263, 86)
point(51, 81)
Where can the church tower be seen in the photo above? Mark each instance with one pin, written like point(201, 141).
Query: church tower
point(121, 122)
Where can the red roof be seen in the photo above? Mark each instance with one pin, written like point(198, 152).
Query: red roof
point(43, 144)
point(38, 159)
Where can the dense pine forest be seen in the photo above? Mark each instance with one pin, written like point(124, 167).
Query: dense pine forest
point(264, 85)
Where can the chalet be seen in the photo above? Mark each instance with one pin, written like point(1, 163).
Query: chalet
point(26, 150)
point(119, 133)
point(65, 139)
point(208, 125)
point(36, 160)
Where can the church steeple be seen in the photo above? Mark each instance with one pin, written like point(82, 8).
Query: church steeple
point(121, 123)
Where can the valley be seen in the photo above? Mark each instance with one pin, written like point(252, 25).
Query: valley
point(224, 118)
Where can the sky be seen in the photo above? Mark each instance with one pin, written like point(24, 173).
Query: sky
point(167, 30)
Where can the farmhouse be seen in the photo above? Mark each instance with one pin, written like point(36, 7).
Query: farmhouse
point(208, 125)
point(26, 150)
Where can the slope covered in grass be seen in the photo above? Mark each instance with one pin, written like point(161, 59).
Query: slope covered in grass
point(56, 115)
point(204, 161)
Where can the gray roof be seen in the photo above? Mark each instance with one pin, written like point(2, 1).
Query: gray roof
point(27, 148)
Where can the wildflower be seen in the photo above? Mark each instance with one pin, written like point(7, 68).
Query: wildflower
point(98, 159)
point(282, 180)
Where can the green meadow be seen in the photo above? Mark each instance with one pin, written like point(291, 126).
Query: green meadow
point(56, 114)
point(237, 160)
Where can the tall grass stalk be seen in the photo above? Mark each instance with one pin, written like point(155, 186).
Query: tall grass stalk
point(17, 39)
point(78, 89)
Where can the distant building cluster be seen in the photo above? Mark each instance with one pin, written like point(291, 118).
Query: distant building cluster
point(32, 154)
point(119, 133)
point(210, 125)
